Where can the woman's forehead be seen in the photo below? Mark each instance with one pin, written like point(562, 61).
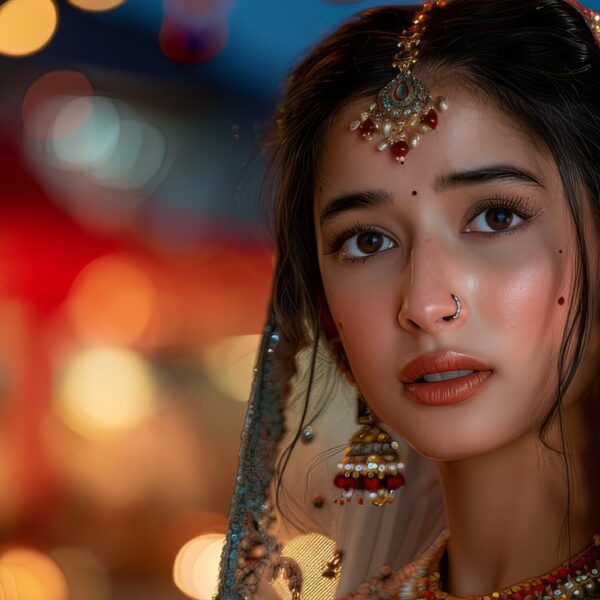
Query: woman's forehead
point(472, 133)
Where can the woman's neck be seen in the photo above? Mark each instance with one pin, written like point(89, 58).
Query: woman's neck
point(507, 510)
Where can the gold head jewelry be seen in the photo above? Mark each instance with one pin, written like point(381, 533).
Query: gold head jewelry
point(405, 109)
point(592, 18)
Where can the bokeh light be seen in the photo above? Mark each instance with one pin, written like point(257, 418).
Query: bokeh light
point(112, 301)
point(196, 569)
point(30, 575)
point(26, 26)
point(105, 391)
point(136, 158)
point(192, 45)
point(194, 31)
point(93, 141)
point(96, 5)
point(47, 96)
point(230, 365)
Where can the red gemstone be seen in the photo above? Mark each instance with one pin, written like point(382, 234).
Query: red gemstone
point(516, 596)
point(563, 572)
point(551, 579)
point(367, 128)
point(371, 484)
point(430, 119)
point(399, 150)
point(393, 482)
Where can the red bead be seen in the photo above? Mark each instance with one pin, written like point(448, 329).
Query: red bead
point(430, 119)
point(343, 483)
point(393, 482)
point(367, 128)
point(551, 579)
point(399, 150)
point(371, 484)
point(354, 483)
point(563, 572)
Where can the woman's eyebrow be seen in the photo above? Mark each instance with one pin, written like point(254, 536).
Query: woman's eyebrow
point(486, 174)
point(354, 200)
point(478, 175)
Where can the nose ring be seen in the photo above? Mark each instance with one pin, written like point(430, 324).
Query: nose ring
point(458, 309)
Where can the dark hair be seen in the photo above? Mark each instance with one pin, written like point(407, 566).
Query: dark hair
point(537, 60)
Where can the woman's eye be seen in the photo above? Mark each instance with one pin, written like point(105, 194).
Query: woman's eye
point(495, 219)
point(363, 245)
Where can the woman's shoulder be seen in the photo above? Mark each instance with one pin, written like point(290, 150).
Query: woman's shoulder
point(402, 584)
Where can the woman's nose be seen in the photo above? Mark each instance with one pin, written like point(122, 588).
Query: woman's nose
point(432, 299)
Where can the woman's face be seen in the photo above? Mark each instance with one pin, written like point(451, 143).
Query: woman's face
point(477, 211)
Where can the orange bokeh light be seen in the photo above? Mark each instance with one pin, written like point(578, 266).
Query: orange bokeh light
point(111, 301)
point(30, 575)
point(96, 5)
point(26, 26)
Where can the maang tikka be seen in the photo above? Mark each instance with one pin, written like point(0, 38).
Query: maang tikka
point(404, 108)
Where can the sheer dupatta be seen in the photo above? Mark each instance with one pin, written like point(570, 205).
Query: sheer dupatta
point(286, 537)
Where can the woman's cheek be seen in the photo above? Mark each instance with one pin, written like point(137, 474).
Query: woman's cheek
point(357, 295)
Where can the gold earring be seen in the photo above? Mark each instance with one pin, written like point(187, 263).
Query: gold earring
point(371, 466)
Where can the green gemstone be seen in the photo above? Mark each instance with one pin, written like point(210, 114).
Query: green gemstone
point(401, 92)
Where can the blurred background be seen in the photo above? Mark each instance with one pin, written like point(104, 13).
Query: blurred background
point(135, 265)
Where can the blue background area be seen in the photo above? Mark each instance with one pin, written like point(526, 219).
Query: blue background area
point(266, 38)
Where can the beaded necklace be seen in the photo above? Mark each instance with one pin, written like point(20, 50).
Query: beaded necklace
point(575, 579)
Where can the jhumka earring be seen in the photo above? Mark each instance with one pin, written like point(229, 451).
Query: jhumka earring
point(371, 465)
point(404, 108)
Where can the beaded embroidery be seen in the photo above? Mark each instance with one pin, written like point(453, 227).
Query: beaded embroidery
point(249, 546)
point(575, 579)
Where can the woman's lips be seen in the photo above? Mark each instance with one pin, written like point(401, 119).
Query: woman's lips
point(451, 391)
point(440, 362)
point(444, 393)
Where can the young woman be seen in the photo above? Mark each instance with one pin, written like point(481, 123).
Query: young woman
point(437, 220)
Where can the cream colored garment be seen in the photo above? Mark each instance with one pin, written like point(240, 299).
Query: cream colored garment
point(370, 537)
